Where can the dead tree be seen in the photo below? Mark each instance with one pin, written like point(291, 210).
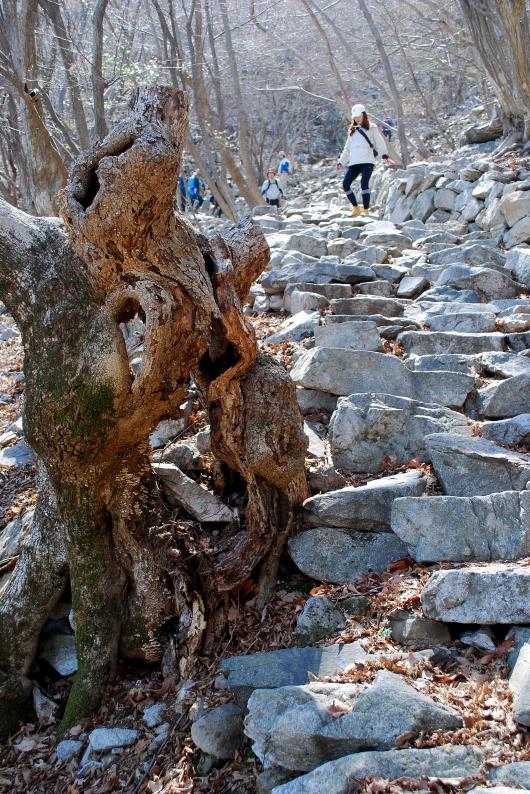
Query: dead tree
point(139, 581)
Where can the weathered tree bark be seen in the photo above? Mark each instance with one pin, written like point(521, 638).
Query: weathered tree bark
point(126, 252)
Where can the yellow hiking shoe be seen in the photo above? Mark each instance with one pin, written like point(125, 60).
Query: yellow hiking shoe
point(356, 211)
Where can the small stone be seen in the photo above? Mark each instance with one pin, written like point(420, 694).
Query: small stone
point(67, 749)
point(154, 715)
point(220, 731)
point(45, 707)
point(192, 497)
point(481, 638)
point(319, 618)
point(59, 651)
point(517, 774)
point(103, 739)
point(419, 632)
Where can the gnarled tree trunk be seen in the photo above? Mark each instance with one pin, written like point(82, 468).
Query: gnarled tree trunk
point(100, 519)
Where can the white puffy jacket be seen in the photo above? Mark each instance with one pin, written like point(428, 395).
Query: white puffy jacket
point(358, 150)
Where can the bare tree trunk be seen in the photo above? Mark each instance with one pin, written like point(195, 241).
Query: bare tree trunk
point(243, 133)
point(330, 57)
point(88, 417)
point(98, 81)
point(405, 156)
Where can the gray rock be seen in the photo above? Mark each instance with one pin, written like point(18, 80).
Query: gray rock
point(515, 206)
point(356, 335)
point(476, 467)
point(319, 618)
point(186, 456)
point(188, 494)
point(45, 708)
point(518, 262)
point(344, 372)
point(166, 431)
point(514, 431)
point(14, 534)
point(482, 638)
point(313, 400)
point(367, 427)
point(519, 233)
point(464, 322)
point(520, 687)
point(464, 529)
point(59, 651)
point(366, 507)
point(287, 667)
point(505, 364)
point(487, 282)
point(421, 343)
point(505, 398)
point(299, 326)
point(307, 302)
point(102, 739)
point(483, 595)
point(308, 244)
point(367, 304)
point(339, 555)
point(220, 731)
point(442, 294)
point(520, 636)
point(447, 362)
point(419, 632)
point(67, 749)
point(203, 441)
point(296, 727)
point(17, 455)
point(154, 715)
point(517, 773)
point(344, 775)
point(412, 286)
point(494, 790)
point(327, 290)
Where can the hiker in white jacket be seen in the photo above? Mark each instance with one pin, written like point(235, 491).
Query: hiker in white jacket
point(271, 189)
point(364, 146)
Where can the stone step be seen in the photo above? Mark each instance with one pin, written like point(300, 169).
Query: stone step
point(464, 529)
point(353, 335)
point(422, 343)
point(345, 372)
point(365, 428)
point(506, 398)
point(298, 728)
point(469, 466)
point(368, 304)
point(464, 322)
point(480, 595)
point(514, 431)
point(366, 507)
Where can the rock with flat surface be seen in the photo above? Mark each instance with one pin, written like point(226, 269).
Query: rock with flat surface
point(188, 494)
point(344, 372)
point(464, 322)
point(510, 432)
point(476, 467)
point(504, 364)
point(483, 595)
point(424, 343)
point(220, 731)
point(16, 455)
point(287, 667)
point(59, 651)
point(518, 263)
point(367, 427)
point(517, 774)
point(299, 326)
point(487, 282)
point(67, 749)
point(355, 335)
point(412, 286)
point(520, 687)
point(345, 774)
point(366, 507)
point(367, 304)
point(445, 362)
point(464, 529)
point(307, 302)
point(418, 632)
point(299, 728)
point(102, 739)
point(14, 534)
point(335, 555)
point(506, 398)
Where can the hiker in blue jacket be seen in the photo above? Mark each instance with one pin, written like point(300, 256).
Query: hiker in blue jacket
point(364, 146)
point(195, 190)
point(284, 169)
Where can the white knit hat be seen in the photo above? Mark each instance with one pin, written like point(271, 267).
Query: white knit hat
point(357, 110)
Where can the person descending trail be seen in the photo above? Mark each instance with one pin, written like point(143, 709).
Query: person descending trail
point(284, 169)
point(271, 189)
point(363, 146)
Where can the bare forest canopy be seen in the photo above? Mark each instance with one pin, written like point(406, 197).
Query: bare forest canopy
point(263, 75)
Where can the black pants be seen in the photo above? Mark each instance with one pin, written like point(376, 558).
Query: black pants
point(273, 202)
point(365, 170)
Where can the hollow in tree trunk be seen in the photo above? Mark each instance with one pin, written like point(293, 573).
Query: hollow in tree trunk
point(100, 521)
